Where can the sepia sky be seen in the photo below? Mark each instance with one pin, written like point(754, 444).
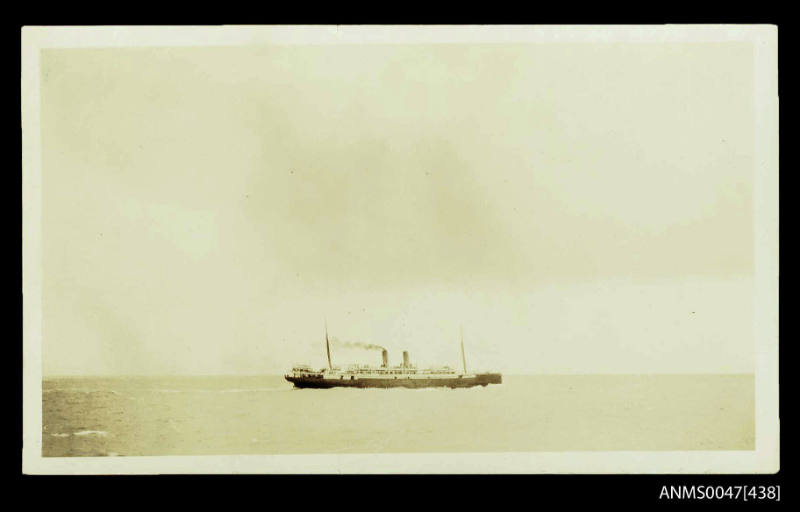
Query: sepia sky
point(576, 208)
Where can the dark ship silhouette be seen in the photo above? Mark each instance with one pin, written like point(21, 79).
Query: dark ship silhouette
point(405, 375)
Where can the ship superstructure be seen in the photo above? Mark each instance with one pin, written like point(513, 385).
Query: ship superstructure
point(405, 375)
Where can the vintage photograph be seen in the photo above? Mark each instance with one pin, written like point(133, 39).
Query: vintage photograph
point(400, 249)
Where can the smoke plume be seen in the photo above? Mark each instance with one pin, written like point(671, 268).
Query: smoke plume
point(355, 344)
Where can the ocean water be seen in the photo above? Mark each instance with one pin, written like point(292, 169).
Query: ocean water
point(130, 416)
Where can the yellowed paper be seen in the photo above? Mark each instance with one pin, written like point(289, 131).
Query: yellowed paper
point(593, 210)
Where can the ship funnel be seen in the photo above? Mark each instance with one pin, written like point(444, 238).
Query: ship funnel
point(385, 355)
point(406, 364)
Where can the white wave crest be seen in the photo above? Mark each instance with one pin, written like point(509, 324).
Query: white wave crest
point(101, 433)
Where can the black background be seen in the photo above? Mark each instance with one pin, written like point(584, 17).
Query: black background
point(355, 492)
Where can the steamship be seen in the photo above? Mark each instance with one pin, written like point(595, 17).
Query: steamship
point(405, 375)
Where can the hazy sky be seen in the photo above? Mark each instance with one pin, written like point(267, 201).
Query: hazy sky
point(575, 207)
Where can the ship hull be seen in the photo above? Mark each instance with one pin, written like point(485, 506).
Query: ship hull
point(466, 381)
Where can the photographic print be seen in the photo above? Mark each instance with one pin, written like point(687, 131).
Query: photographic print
point(420, 249)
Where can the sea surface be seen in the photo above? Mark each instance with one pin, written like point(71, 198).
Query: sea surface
point(126, 416)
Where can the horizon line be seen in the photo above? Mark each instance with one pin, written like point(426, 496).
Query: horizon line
point(511, 374)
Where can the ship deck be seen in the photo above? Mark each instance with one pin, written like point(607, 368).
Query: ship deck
point(404, 381)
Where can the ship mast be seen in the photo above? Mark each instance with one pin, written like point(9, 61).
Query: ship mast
point(328, 346)
point(463, 357)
